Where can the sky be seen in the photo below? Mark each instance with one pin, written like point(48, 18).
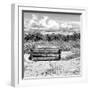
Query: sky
point(36, 20)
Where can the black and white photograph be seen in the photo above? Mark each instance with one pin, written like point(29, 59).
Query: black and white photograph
point(51, 44)
point(48, 45)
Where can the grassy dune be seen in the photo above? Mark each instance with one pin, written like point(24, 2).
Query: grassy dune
point(68, 65)
point(52, 68)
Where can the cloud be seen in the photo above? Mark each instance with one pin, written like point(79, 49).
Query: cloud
point(34, 22)
point(43, 21)
point(66, 25)
point(53, 24)
point(46, 23)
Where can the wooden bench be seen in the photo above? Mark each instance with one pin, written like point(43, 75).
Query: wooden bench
point(45, 54)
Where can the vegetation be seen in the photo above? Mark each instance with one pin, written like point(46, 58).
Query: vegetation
point(50, 37)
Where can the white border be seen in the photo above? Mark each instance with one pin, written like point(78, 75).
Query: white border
point(16, 71)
